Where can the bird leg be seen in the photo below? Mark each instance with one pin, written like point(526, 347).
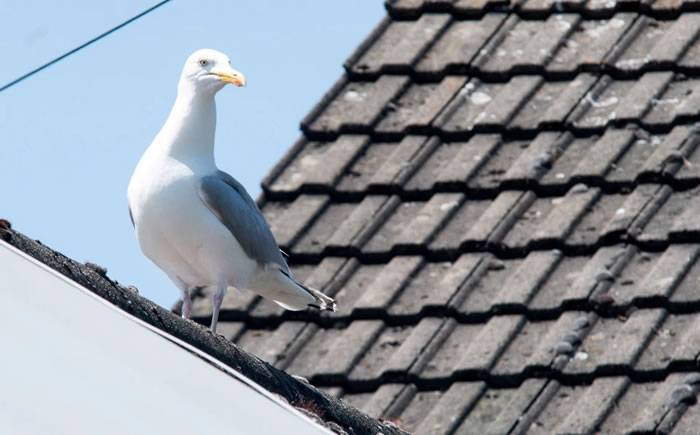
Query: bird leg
point(186, 304)
point(216, 301)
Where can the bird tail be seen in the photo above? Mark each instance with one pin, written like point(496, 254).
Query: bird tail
point(279, 285)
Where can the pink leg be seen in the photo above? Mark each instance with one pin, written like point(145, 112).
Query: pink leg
point(186, 304)
point(216, 300)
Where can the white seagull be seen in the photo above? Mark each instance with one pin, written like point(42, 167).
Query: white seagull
point(197, 223)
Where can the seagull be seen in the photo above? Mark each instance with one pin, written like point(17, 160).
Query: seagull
point(196, 222)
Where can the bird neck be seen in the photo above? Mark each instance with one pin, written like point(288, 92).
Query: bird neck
point(188, 133)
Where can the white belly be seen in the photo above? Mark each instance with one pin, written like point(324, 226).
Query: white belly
point(177, 231)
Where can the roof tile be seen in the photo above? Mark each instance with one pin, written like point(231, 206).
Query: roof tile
point(320, 163)
point(521, 285)
point(392, 279)
point(388, 396)
point(356, 285)
point(489, 104)
point(548, 220)
point(347, 348)
point(552, 103)
point(643, 406)
point(460, 44)
point(453, 163)
point(481, 352)
point(401, 43)
point(544, 39)
point(362, 222)
point(677, 210)
point(373, 360)
point(357, 105)
point(676, 341)
point(403, 162)
point(419, 406)
point(418, 348)
point(451, 407)
point(429, 220)
point(591, 43)
point(328, 222)
point(287, 221)
point(656, 41)
point(614, 343)
point(614, 100)
point(421, 294)
point(499, 410)
point(419, 105)
point(573, 280)
point(648, 277)
point(582, 410)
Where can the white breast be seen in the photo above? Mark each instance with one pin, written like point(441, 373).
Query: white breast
point(178, 232)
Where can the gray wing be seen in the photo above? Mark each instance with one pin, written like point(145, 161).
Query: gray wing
point(230, 202)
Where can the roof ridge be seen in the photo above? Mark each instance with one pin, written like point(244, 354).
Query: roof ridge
point(274, 380)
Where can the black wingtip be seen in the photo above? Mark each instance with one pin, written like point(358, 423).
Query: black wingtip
point(325, 307)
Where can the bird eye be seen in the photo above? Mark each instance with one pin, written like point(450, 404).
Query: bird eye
point(203, 62)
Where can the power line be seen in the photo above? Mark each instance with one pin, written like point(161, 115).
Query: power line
point(80, 47)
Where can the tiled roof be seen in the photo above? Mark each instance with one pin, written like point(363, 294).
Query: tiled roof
point(326, 410)
point(503, 198)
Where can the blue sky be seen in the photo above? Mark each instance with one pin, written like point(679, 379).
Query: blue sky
point(71, 135)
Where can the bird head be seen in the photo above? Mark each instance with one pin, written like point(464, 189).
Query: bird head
point(208, 71)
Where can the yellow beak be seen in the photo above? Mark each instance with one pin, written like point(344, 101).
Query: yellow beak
point(233, 77)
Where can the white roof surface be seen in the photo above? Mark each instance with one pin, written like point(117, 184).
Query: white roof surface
point(74, 364)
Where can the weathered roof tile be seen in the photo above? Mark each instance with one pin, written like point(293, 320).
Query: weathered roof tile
point(320, 163)
point(616, 342)
point(357, 105)
point(550, 106)
point(392, 279)
point(451, 407)
point(460, 44)
point(419, 105)
point(287, 221)
point(543, 40)
point(521, 286)
point(401, 43)
point(580, 409)
point(591, 43)
point(499, 410)
point(490, 104)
